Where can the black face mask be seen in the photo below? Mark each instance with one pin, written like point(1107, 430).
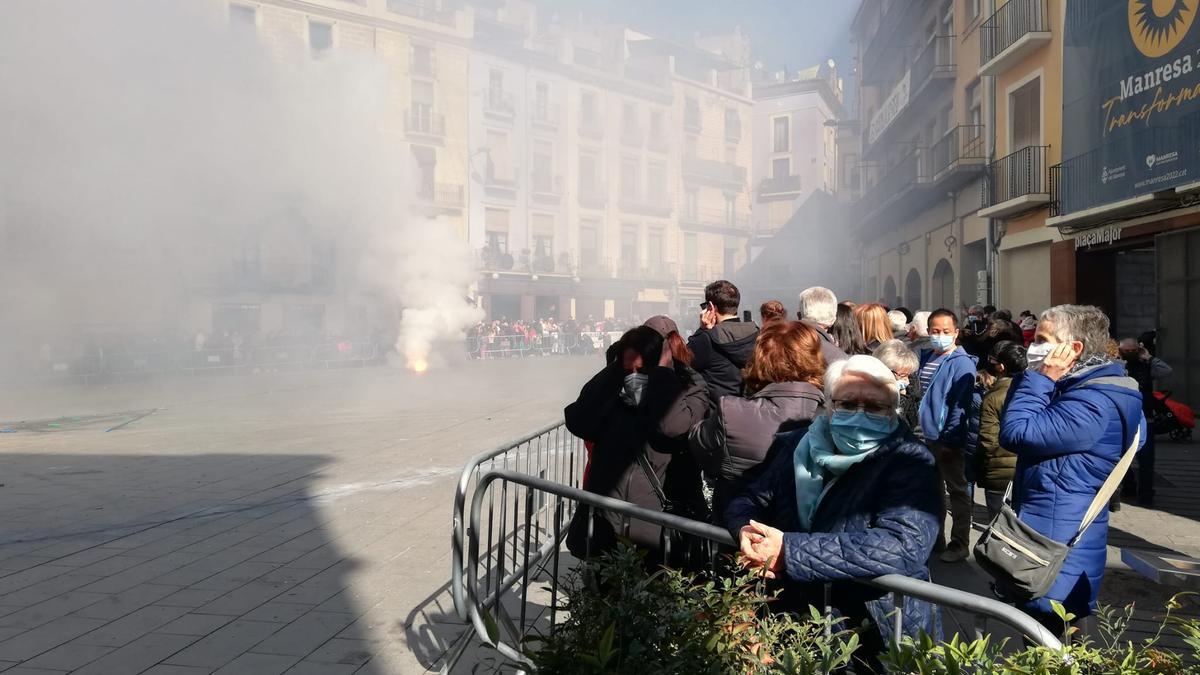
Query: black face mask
point(1129, 357)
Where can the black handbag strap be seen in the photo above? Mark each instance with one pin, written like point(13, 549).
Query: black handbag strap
point(655, 484)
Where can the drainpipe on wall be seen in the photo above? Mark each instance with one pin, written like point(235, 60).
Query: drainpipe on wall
point(991, 242)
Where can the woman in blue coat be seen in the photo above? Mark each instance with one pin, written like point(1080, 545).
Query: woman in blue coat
point(851, 497)
point(1069, 418)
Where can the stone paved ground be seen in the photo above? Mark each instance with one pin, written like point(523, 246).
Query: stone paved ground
point(294, 522)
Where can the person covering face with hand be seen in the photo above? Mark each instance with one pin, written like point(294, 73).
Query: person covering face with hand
point(851, 496)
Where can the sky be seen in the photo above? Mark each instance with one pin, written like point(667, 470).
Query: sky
point(791, 33)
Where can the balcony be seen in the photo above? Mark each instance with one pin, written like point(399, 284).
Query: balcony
point(524, 262)
point(691, 121)
point(692, 274)
point(423, 122)
point(932, 73)
point(1017, 183)
point(592, 266)
point(546, 116)
point(733, 132)
point(441, 195)
point(779, 188)
point(1017, 29)
point(655, 205)
point(658, 141)
point(592, 196)
point(546, 189)
point(714, 173)
point(717, 221)
point(647, 74)
point(591, 127)
point(498, 104)
point(958, 158)
point(500, 185)
point(419, 9)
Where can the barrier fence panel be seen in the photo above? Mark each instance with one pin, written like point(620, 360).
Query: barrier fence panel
point(550, 453)
point(515, 563)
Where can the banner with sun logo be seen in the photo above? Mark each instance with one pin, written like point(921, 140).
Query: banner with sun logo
point(1131, 100)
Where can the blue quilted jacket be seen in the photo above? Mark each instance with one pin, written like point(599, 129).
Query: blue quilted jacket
point(880, 517)
point(1068, 436)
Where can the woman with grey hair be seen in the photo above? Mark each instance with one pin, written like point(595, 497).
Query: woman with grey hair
point(904, 364)
point(852, 496)
point(1069, 419)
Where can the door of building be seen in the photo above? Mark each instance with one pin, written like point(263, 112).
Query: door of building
point(1178, 306)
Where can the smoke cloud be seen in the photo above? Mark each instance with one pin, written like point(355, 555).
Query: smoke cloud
point(147, 150)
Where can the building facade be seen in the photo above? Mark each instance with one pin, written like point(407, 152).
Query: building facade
point(609, 168)
point(287, 280)
point(795, 142)
point(922, 153)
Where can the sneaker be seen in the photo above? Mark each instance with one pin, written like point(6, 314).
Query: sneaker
point(953, 554)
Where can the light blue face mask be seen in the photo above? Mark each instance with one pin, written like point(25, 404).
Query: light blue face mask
point(942, 343)
point(860, 432)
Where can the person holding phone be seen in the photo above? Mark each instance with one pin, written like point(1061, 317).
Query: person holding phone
point(724, 344)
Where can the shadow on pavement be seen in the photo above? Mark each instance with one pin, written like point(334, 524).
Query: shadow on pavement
point(211, 563)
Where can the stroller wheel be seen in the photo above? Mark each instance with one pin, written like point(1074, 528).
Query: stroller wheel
point(1181, 435)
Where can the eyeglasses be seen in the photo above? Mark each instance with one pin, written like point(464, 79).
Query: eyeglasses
point(869, 407)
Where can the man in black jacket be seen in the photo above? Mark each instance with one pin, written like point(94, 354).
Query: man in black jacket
point(723, 345)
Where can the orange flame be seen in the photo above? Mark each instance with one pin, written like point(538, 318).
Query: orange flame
point(418, 365)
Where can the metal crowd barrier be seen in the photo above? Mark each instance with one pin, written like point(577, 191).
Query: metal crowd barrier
point(516, 548)
point(550, 452)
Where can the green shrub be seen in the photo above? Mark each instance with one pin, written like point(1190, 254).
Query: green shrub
point(623, 619)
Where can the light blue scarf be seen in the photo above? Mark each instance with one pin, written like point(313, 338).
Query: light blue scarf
point(817, 462)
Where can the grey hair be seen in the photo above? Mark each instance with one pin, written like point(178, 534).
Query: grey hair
point(897, 356)
point(867, 367)
point(1083, 323)
point(898, 319)
point(818, 305)
point(920, 322)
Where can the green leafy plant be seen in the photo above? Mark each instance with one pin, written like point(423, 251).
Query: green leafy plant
point(623, 618)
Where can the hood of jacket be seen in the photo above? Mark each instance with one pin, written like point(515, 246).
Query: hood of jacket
point(735, 340)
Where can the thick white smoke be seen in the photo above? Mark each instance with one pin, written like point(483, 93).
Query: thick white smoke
point(142, 141)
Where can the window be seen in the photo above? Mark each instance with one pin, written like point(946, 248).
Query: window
point(629, 121)
point(730, 211)
point(973, 9)
point(733, 125)
point(691, 202)
point(543, 247)
point(781, 133)
point(543, 168)
point(587, 109)
point(422, 106)
point(975, 106)
point(730, 261)
point(691, 113)
point(500, 164)
point(690, 253)
point(630, 177)
point(589, 243)
point(781, 168)
point(543, 242)
point(850, 170)
point(588, 175)
point(629, 247)
point(654, 248)
point(656, 183)
point(1025, 115)
point(426, 159)
point(422, 60)
point(496, 225)
point(541, 101)
point(243, 18)
point(496, 89)
point(320, 36)
point(656, 124)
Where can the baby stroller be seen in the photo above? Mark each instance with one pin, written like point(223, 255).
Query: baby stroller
point(1172, 417)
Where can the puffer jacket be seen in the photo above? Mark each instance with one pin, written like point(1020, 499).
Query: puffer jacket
point(1068, 437)
point(720, 354)
point(673, 401)
point(880, 517)
point(996, 465)
point(738, 435)
point(949, 411)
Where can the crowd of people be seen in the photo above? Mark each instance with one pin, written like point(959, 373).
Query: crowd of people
point(503, 338)
point(833, 445)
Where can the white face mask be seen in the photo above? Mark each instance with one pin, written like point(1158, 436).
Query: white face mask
point(631, 391)
point(1037, 353)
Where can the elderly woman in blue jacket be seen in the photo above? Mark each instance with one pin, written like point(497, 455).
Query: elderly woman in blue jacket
point(1069, 419)
point(852, 496)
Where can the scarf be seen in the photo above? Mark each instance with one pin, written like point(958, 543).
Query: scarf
point(817, 462)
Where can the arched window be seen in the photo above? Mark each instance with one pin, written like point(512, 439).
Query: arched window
point(943, 284)
point(889, 291)
point(912, 290)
